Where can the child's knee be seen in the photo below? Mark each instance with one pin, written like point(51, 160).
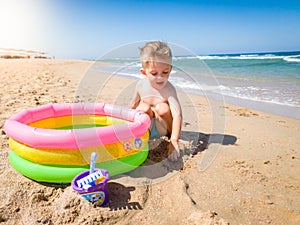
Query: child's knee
point(146, 109)
point(162, 109)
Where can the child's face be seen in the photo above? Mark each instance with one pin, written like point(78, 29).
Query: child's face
point(158, 74)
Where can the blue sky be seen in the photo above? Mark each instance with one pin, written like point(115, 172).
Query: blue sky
point(88, 29)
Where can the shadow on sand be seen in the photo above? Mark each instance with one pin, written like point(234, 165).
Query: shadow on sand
point(119, 197)
point(158, 167)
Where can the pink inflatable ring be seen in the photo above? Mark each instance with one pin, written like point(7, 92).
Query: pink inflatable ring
point(18, 128)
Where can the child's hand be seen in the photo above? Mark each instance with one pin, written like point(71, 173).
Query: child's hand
point(173, 151)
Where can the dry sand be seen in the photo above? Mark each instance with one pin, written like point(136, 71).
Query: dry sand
point(253, 179)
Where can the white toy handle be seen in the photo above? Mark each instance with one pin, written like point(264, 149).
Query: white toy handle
point(94, 156)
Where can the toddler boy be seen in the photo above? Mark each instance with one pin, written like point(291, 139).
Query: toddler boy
point(157, 97)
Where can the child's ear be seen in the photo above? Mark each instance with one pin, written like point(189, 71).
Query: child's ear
point(142, 70)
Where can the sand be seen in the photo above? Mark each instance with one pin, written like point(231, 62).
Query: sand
point(237, 165)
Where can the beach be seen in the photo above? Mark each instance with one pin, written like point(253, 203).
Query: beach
point(237, 166)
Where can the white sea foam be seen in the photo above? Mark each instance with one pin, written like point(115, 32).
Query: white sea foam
point(257, 94)
point(184, 57)
point(267, 56)
point(242, 57)
point(294, 58)
point(133, 75)
point(201, 57)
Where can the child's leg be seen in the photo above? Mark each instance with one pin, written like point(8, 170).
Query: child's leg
point(163, 119)
point(146, 109)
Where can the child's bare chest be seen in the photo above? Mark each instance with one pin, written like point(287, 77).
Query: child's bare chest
point(153, 100)
point(152, 96)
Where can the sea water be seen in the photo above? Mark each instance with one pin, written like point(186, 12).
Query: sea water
point(265, 81)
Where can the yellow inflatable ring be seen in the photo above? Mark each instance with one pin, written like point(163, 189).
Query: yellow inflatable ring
point(59, 156)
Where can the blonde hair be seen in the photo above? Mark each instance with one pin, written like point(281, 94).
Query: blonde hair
point(155, 51)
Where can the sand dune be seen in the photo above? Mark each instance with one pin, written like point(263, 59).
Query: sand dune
point(11, 53)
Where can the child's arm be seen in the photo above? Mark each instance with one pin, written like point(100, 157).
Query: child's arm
point(136, 99)
point(176, 114)
point(176, 128)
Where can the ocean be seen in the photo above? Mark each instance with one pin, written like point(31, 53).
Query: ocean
point(265, 81)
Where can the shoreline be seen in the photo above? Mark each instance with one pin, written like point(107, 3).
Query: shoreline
point(252, 158)
point(265, 106)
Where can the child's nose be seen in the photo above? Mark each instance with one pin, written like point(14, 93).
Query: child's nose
point(160, 77)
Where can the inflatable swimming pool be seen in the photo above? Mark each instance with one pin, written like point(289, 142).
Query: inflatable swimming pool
point(53, 143)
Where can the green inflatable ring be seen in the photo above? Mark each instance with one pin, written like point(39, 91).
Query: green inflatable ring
point(65, 174)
